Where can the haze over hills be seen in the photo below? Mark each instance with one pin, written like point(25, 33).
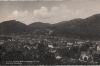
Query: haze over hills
point(89, 27)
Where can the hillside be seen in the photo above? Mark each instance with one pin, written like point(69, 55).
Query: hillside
point(87, 28)
point(12, 27)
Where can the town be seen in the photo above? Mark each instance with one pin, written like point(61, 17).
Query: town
point(46, 49)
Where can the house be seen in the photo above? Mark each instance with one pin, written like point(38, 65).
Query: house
point(58, 57)
point(98, 49)
point(85, 56)
point(69, 43)
point(50, 46)
point(2, 42)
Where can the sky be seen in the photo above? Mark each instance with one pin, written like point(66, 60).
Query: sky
point(47, 11)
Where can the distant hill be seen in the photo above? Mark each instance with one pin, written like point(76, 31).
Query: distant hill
point(90, 26)
point(12, 27)
point(67, 27)
point(87, 28)
point(39, 27)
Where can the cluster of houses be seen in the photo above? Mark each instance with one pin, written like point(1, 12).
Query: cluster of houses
point(84, 51)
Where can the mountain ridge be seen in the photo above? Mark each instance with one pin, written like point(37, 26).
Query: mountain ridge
point(89, 27)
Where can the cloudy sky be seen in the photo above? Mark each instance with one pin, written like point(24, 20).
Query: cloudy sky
point(47, 11)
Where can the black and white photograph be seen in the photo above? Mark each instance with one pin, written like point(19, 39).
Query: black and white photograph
point(49, 32)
